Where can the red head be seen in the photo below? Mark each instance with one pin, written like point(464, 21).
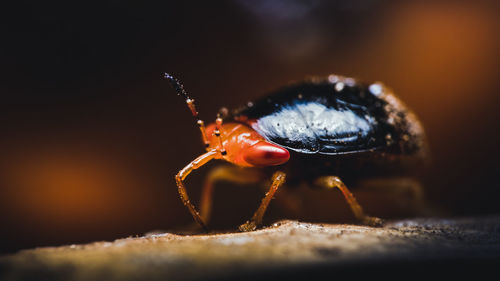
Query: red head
point(245, 147)
point(238, 143)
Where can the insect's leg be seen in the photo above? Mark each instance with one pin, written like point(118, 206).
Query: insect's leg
point(331, 182)
point(278, 180)
point(181, 176)
point(289, 201)
point(225, 173)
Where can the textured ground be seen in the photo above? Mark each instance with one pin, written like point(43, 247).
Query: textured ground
point(285, 250)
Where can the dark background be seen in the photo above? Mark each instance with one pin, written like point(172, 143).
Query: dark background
point(91, 135)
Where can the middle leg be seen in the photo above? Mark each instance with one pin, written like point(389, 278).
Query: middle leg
point(278, 180)
point(331, 182)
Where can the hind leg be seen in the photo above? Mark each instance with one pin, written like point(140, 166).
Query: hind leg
point(333, 182)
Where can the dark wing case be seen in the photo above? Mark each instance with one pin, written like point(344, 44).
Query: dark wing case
point(330, 117)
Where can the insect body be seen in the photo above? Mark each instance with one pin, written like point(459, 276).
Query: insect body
point(317, 131)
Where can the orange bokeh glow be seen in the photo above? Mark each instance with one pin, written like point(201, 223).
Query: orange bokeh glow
point(62, 185)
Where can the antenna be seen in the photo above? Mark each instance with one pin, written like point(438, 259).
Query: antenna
point(179, 88)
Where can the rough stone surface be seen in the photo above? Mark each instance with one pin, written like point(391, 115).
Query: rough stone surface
point(284, 250)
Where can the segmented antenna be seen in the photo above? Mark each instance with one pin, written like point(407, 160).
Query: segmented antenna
point(177, 85)
point(217, 132)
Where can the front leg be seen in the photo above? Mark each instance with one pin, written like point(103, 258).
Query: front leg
point(278, 180)
point(331, 182)
point(181, 176)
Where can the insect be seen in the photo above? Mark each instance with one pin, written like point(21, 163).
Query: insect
point(322, 131)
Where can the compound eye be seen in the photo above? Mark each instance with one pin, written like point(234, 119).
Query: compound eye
point(264, 154)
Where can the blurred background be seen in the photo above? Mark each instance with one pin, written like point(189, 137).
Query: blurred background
point(91, 135)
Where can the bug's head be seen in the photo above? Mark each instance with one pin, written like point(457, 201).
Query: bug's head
point(245, 147)
point(237, 143)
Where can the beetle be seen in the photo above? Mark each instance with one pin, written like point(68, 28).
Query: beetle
point(323, 131)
